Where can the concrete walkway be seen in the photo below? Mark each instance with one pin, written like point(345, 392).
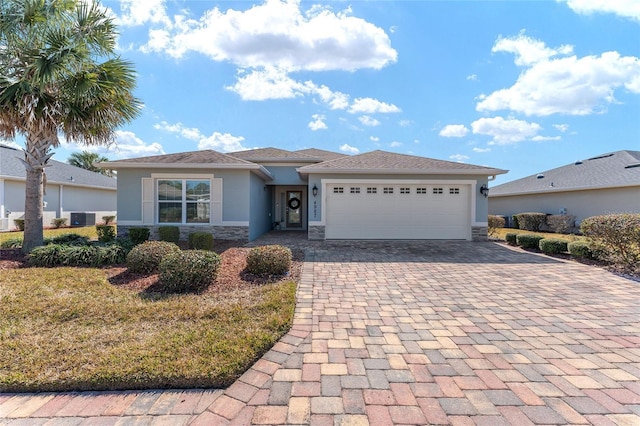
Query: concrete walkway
point(415, 333)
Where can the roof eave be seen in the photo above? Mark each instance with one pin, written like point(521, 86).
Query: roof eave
point(254, 168)
point(65, 183)
point(481, 172)
point(551, 190)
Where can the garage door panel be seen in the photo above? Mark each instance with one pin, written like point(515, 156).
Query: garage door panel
point(410, 215)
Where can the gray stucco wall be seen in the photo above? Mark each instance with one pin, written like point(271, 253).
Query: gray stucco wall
point(260, 212)
point(581, 204)
point(285, 175)
point(315, 203)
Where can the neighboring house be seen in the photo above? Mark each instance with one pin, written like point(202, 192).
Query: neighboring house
point(241, 195)
point(608, 183)
point(69, 190)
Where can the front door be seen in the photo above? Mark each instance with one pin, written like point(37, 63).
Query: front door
point(294, 209)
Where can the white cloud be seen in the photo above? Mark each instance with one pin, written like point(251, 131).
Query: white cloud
point(395, 144)
point(335, 100)
point(350, 149)
point(224, 142)
point(545, 138)
point(568, 85)
point(459, 158)
point(404, 123)
point(136, 12)
point(371, 106)
point(128, 145)
point(317, 123)
point(481, 150)
point(528, 51)
point(561, 127)
point(369, 121)
point(268, 83)
point(624, 8)
point(505, 132)
point(454, 131)
point(472, 77)
point(374, 138)
point(278, 33)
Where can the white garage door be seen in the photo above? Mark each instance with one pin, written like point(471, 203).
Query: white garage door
point(397, 211)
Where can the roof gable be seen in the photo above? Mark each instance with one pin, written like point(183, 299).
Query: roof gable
point(207, 156)
point(613, 169)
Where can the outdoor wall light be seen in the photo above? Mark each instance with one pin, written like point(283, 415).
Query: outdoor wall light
point(484, 190)
point(314, 190)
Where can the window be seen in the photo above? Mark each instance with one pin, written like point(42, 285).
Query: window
point(338, 190)
point(184, 201)
point(438, 191)
point(387, 190)
point(454, 191)
point(355, 190)
point(372, 190)
point(421, 190)
point(405, 190)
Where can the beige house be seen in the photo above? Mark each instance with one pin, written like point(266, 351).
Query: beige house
point(607, 183)
point(71, 192)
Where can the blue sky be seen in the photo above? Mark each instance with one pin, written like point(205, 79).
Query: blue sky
point(519, 85)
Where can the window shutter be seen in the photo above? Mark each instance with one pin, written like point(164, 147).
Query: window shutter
point(148, 201)
point(216, 201)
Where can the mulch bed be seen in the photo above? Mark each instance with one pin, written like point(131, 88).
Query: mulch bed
point(231, 275)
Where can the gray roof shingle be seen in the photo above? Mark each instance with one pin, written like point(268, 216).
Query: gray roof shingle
point(272, 155)
point(383, 161)
point(208, 156)
point(614, 169)
point(57, 172)
point(321, 154)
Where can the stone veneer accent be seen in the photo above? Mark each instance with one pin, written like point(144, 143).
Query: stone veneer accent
point(316, 232)
point(479, 233)
point(239, 233)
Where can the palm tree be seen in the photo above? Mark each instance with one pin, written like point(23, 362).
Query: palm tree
point(87, 160)
point(59, 75)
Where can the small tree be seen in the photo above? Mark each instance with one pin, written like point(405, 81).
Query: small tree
point(87, 160)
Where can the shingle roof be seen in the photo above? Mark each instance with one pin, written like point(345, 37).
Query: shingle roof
point(272, 155)
point(321, 154)
point(57, 172)
point(614, 169)
point(193, 157)
point(383, 161)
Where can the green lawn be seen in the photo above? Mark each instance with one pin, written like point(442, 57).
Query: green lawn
point(70, 329)
point(88, 231)
point(501, 232)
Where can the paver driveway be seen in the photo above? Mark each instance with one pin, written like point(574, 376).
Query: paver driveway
point(422, 333)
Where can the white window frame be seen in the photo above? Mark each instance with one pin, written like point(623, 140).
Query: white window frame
point(183, 200)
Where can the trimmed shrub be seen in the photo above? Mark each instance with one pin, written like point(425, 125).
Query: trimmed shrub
point(68, 239)
point(106, 233)
point(111, 254)
point(561, 223)
point(146, 257)
point(580, 249)
point(495, 222)
point(46, 256)
point(138, 235)
point(529, 241)
point(615, 236)
point(201, 241)
point(269, 260)
point(11, 243)
point(510, 238)
point(126, 244)
point(552, 246)
point(531, 221)
point(59, 222)
point(108, 219)
point(514, 221)
point(188, 271)
point(78, 255)
point(169, 233)
point(19, 224)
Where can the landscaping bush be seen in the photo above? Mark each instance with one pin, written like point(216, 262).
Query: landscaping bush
point(108, 219)
point(169, 233)
point(561, 223)
point(495, 222)
point(552, 246)
point(510, 237)
point(580, 249)
point(188, 271)
point(76, 255)
point(59, 222)
point(46, 256)
point(514, 221)
point(138, 235)
point(269, 260)
point(79, 256)
point(11, 243)
point(529, 241)
point(111, 254)
point(126, 244)
point(68, 239)
point(106, 233)
point(615, 236)
point(146, 257)
point(201, 241)
point(531, 221)
point(19, 224)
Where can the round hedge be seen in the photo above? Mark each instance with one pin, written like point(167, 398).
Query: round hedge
point(552, 246)
point(269, 260)
point(529, 241)
point(188, 271)
point(146, 257)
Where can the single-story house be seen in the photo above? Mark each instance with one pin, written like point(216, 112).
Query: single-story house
point(607, 183)
point(71, 192)
point(241, 195)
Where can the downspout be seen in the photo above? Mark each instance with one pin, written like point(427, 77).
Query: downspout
point(60, 198)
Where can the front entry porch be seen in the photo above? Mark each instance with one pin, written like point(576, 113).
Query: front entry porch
point(289, 208)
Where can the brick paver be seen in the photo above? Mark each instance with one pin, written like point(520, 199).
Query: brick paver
point(415, 333)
